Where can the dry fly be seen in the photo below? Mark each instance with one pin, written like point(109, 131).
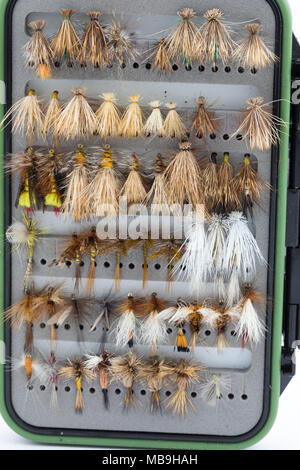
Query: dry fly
point(181, 42)
point(183, 178)
point(37, 50)
point(108, 117)
point(259, 126)
point(125, 370)
point(27, 116)
point(77, 119)
point(159, 57)
point(66, 43)
point(252, 52)
point(153, 373)
point(183, 375)
point(120, 43)
point(173, 126)
point(76, 370)
point(94, 43)
point(216, 38)
point(205, 122)
point(132, 121)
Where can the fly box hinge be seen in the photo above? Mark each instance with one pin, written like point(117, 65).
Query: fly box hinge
point(291, 319)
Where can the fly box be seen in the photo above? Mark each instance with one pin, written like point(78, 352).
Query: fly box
point(166, 332)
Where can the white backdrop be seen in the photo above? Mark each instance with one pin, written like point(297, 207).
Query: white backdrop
point(285, 432)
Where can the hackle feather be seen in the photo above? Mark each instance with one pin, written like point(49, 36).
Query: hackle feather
point(94, 43)
point(77, 119)
point(77, 183)
point(183, 178)
point(38, 52)
point(259, 126)
point(134, 186)
point(108, 117)
point(120, 43)
point(205, 122)
point(132, 121)
point(253, 53)
point(216, 38)
point(181, 41)
point(159, 57)
point(154, 123)
point(173, 126)
point(66, 43)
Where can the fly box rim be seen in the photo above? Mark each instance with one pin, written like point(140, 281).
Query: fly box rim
point(275, 280)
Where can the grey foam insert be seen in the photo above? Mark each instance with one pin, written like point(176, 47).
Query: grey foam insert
point(234, 416)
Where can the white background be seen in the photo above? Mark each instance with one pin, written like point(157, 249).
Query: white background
point(285, 433)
